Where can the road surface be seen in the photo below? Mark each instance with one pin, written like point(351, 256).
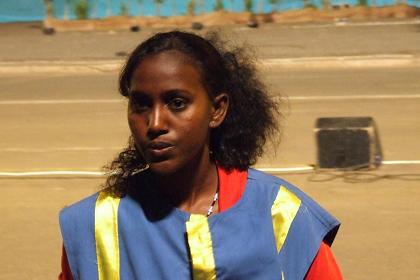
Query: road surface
point(76, 121)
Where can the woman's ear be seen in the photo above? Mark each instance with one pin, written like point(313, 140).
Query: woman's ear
point(220, 107)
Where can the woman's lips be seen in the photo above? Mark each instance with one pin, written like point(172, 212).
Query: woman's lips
point(158, 145)
point(158, 150)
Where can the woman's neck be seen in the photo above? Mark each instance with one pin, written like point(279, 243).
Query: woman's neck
point(192, 188)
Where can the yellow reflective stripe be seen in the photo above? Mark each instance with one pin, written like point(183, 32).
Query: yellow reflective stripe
point(201, 248)
point(106, 236)
point(283, 212)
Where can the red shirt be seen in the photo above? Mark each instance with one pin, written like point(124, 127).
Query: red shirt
point(231, 188)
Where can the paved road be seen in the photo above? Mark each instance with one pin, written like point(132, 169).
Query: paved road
point(22, 42)
point(76, 121)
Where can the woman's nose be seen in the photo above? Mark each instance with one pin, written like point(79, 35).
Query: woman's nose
point(157, 122)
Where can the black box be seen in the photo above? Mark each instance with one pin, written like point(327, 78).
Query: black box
point(347, 143)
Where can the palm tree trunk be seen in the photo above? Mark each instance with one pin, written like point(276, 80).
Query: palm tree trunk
point(48, 5)
point(66, 11)
point(158, 9)
point(129, 5)
point(261, 7)
point(141, 9)
point(174, 12)
point(109, 8)
point(202, 7)
point(93, 9)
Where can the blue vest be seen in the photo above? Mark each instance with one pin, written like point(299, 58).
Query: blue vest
point(273, 232)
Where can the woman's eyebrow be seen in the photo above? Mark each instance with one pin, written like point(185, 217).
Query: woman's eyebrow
point(136, 92)
point(176, 92)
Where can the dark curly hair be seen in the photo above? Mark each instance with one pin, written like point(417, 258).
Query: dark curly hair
point(251, 117)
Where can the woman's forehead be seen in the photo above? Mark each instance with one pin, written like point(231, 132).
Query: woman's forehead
point(172, 54)
point(167, 71)
point(168, 63)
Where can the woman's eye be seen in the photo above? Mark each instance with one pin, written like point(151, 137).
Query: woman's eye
point(139, 105)
point(177, 104)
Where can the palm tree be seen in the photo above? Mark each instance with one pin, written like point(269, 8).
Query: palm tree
point(191, 8)
point(124, 8)
point(94, 7)
point(67, 3)
point(326, 4)
point(218, 6)
point(261, 6)
point(49, 11)
point(158, 3)
point(141, 8)
point(174, 12)
point(232, 4)
point(202, 7)
point(109, 8)
point(274, 4)
point(248, 5)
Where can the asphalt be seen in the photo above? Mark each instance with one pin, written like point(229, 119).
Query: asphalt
point(25, 42)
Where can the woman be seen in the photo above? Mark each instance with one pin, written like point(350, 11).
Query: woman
point(181, 201)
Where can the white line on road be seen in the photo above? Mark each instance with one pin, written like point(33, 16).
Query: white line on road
point(292, 98)
point(59, 149)
point(273, 170)
point(353, 61)
point(52, 173)
point(398, 162)
point(342, 23)
point(57, 101)
point(106, 66)
point(349, 23)
point(354, 97)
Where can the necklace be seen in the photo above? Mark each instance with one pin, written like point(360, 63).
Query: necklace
point(216, 196)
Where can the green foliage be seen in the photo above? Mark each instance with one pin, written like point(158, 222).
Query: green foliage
point(81, 9)
point(49, 9)
point(309, 4)
point(157, 4)
point(191, 7)
point(248, 5)
point(218, 6)
point(363, 3)
point(123, 9)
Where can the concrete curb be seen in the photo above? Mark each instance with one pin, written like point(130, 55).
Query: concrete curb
point(104, 66)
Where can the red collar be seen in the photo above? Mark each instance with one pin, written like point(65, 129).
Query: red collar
point(231, 187)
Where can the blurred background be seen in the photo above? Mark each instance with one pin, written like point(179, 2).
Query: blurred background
point(62, 118)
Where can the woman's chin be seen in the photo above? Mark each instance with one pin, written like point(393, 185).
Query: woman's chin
point(163, 168)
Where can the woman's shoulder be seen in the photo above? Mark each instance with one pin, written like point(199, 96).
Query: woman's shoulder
point(77, 212)
point(274, 184)
point(274, 187)
point(81, 204)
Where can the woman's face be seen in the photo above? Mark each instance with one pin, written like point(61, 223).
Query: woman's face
point(170, 113)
